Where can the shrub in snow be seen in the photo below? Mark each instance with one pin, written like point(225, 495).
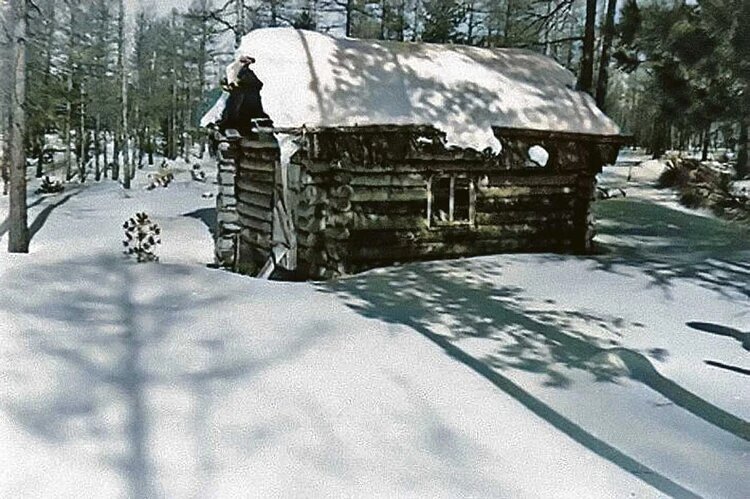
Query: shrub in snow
point(677, 173)
point(141, 237)
point(49, 186)
point(198, 174)
point(705, 185)
point(160, 179)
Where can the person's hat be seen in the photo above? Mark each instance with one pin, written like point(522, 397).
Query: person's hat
point(246, 59)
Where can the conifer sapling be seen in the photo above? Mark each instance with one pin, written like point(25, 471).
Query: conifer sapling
point(141, 237)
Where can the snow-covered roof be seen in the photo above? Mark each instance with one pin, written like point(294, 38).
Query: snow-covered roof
point(314, 79)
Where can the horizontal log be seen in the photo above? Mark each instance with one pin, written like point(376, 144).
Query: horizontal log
point(254, 176)
point(241, 184)
point(251, 211)
point(251, 165)
point(523, 190)
point(225, 179)
point(387, 222)
point(226, 200)
point(366, 194)
point(225, 217)
point(337, 233)
point(255, 239)
point(505, 217)
point(460, 234)
point(545, 135)
point(255, 145)
point(559, 202)
point(418, 207)
point(389, 180)
point(535, 179)
point(254, 224)
point(383, 255)
point(263, 201)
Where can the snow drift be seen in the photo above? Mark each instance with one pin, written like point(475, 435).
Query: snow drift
point(314, 79)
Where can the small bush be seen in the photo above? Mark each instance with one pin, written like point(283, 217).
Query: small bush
point(160, 179)
point(693, 198)
point(141, 237)
point(677, 173)
point(49, 186)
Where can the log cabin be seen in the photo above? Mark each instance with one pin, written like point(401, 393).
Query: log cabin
point(386, 152)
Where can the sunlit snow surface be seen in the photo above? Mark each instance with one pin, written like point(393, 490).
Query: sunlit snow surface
point(314, 79)
point(499, 376)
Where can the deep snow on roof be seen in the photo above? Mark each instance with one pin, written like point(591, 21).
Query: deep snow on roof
point(314, 79)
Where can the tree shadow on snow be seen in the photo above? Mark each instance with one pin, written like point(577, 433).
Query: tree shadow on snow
point(118, 340)
point(38, 222)
point(460, 298)
point(719, 330)
point(668, 245)
point(43, 215)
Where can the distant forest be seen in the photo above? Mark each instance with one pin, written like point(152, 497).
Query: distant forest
point(110, 86)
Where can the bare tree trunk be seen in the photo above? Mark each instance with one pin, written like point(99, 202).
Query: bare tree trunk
point(706, 143)
point(743, 155)
point(116, 156)
point(97, 148)
point(586, 76)
point(349, 8)
point(105, 158)
point(607, 36)
point(508, 21)
point(470, 23)
point(18, 234)
point(547, 27)
point(126, 176)
point(5, 105)
point(5, 153)
point(239, 28)
point(416, 34)
point(39, 150)
point(68, 126)
point(82, 137)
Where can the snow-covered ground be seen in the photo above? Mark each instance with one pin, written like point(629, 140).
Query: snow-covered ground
point(624, 374)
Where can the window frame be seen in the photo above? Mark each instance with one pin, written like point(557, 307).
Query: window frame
point(451, 222)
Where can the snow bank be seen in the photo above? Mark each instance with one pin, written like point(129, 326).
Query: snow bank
point(498, 376)
point(316, 80)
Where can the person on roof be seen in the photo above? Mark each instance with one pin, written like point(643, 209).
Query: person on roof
point(243, 109)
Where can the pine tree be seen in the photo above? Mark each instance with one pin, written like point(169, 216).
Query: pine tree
point(142, 236)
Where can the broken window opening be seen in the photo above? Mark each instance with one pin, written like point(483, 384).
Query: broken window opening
point(450, 201)
point(538, 156)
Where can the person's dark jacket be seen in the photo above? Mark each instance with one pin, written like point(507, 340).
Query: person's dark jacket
point(243, 104)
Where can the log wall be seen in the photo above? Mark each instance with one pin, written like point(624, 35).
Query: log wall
point(257, 163)
point(227, 227)
point(370, 196)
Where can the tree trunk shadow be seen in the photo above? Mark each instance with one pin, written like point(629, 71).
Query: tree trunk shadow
point(43, 215)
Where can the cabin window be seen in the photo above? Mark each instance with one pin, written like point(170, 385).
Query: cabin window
point(538, 156)
point(450, 200)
